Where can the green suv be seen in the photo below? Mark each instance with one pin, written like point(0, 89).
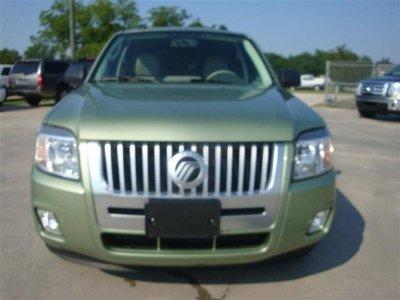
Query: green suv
point(182, 149)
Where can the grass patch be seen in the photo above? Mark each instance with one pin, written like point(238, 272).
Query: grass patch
point(20, 102)
point(343, 104)
point(307, 91)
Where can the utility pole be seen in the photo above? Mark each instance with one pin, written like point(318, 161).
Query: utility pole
point(72, 28)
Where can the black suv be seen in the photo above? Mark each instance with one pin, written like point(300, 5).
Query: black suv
point(379, 95)
point(37, 79)
point(73, 77)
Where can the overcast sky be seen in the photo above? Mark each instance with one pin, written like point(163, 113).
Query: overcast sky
point(285, 27)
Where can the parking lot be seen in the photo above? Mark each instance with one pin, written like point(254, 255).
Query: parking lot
point(358, 259)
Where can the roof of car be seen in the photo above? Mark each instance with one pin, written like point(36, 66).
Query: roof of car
point(42, 60)
point(183, 29)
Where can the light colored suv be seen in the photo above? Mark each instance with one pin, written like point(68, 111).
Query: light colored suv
point(182, 148)
point(4, 72)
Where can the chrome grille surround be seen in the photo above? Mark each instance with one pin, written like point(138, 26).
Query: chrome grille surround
point(143, 168)
point(374, 88)
point(252, 183)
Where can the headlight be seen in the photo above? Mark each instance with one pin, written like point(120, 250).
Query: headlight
point(394, 90)
point(359, 89)
point(313, 157)
point(56, 152)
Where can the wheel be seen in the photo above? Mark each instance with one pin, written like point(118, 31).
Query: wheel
point(317, 88)
point(61, 93)
point(32, 100)
point(3, 95)
point(366, 114)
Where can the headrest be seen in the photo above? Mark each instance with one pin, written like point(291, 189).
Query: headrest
point(147, 65)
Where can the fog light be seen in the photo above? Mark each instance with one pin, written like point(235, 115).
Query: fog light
point(394, 104)
point(48, 221)
point(319, 221)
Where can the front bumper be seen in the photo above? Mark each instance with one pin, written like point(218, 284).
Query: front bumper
point(377, 105)
point(72, 202)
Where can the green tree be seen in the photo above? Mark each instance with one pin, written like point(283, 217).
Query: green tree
point(106, 18)
point(314, 63)
point(9, 56)
point(95, 22)
point(163, 16)
point(196, 23)
point(277, 61)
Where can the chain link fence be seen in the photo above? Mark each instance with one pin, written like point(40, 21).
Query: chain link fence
point(342, 77)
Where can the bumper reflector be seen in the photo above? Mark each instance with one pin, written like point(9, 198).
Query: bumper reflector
point(319, 221)
point(48, 221)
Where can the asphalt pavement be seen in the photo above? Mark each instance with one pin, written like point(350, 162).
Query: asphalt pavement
point(359, 259)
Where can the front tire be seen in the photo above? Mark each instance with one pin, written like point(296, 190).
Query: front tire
point(3, 95)
point(33, 101)
point(61, 93)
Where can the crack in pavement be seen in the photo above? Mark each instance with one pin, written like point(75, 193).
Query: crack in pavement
point(202, 292)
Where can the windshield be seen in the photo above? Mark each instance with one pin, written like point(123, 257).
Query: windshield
point(395, 71)
point(162, 58)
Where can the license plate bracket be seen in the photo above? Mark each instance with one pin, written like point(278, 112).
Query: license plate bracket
point(182, 218)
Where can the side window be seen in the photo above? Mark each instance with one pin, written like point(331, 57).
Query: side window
point(55, 67)
point(25, 67)
point(5, 71)
point(72, 71)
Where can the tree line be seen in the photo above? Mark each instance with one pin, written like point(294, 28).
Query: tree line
point(97, 21)
point(314, 63)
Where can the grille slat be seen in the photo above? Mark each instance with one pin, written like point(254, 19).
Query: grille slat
point(132, 155)
point(217, 176)
point(242, 153)
point(264, 167)
point(194, 149)
point(121, 167)
point(229, 157)
point(145, 168)
point(157, 170)
point(232, 169)
point(110, 177)
point(169, 180)
point(205, 158)
point(253, 168)
point(181, 149)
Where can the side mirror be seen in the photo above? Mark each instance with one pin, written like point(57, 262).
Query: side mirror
point(289, 78)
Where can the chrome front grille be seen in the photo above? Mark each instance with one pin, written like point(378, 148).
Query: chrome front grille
point(232, 169)
point(374, 88)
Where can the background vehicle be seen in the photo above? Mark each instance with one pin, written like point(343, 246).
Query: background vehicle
point(4, 73)
point(3, 95)
point(37, 79)
point(73, 77)
point(309, 81)
point(380, 95)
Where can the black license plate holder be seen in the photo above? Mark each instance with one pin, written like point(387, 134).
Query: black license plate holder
point(183, 218)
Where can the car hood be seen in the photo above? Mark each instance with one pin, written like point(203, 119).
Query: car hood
point(381, 79)
point(173, 112)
